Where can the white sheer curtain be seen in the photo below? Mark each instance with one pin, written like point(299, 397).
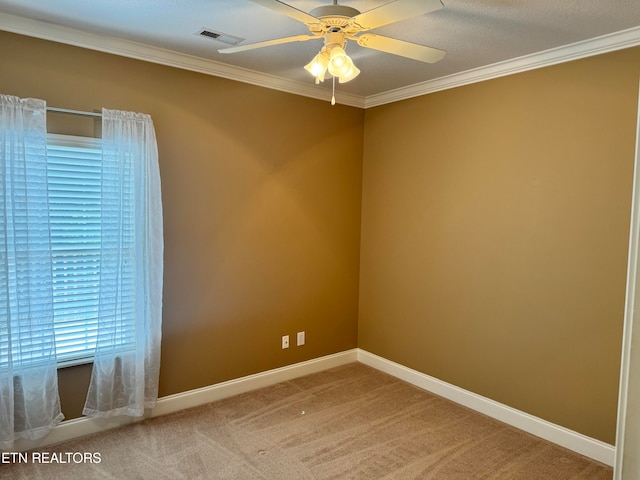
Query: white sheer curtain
point(127, 360)
point(29, 401)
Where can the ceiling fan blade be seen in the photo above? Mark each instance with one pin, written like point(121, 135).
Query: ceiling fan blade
point(394, 12)
point(288, 10)
point(268, 43)
point(400, 47)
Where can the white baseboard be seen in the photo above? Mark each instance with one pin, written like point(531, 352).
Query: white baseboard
point(79, 427)
point(200, 396)
point(564, 437)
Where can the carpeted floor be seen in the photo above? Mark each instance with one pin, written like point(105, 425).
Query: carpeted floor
point(350, 422)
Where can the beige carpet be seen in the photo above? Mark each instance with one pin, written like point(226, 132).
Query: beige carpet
point(350, 422)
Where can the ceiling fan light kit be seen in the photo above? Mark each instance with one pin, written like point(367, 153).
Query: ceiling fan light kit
point(338, 23)
point(332, 57)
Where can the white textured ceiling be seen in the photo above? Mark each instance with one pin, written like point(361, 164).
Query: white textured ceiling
point(474, 33)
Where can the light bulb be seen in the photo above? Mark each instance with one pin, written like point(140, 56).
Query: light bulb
point(339, 62)
point(318, 66)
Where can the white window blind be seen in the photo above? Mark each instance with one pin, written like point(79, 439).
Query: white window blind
point(17, 277)
point(75, 185)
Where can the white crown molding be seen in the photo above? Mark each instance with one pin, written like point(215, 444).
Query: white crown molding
point(588, 48)
point(47, 31)
point(148, 53)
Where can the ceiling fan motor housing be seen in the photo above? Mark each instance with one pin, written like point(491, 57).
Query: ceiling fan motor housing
point(334, 15)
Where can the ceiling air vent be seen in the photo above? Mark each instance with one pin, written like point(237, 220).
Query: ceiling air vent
point(221, 37)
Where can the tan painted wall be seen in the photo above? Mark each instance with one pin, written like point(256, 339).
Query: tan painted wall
point(261, 196)
point(495, 225)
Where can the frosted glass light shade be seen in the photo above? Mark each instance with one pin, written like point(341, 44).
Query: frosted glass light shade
point(339, 62)
point(350, 75)
point(318, 67)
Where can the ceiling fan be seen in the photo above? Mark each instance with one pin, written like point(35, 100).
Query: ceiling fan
point(338, 23)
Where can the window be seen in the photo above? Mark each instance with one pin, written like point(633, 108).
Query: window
point(74, 187)
point(81, 263)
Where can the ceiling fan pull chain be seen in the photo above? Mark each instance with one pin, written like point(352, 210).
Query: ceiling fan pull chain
point(333, 92)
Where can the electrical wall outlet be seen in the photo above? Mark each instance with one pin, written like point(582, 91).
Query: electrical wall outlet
point(285, 341)
point(300, 339)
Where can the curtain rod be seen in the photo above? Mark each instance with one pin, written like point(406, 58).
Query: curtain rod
point(73, 112)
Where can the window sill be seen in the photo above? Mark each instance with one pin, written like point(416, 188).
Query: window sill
point(74, 362)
